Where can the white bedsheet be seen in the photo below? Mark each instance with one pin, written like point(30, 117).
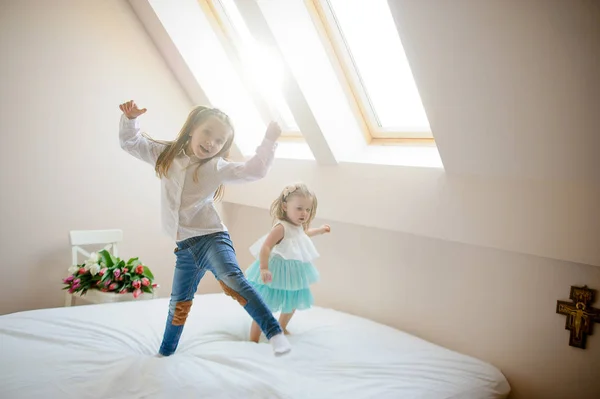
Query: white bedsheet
point(108, 351)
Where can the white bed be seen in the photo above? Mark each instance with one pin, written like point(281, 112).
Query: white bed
point(108, 351)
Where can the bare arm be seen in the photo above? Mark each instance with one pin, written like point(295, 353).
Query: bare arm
point(319, 230)
point(274, 237)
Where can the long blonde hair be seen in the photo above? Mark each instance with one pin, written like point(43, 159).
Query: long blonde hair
point(197, 115)
point(294, 190)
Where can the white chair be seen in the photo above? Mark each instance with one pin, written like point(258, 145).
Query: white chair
point(110, 239)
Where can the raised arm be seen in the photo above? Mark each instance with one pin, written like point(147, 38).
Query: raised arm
point(319, 230)
point(256, 167)
point(274, 237)
point(130, 137)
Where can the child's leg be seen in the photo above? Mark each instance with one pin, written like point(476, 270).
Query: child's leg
point(284, 320)
point(255, 332)
point(224, 265)
point(185, 282)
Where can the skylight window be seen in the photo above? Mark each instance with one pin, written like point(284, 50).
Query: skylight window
point(368, 46)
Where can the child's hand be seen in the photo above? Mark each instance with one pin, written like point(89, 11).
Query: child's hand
point(131, 110)
point(266, 275)
point(325, 229)
point(273, 131)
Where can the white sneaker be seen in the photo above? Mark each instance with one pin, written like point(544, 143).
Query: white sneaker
point(280, 344)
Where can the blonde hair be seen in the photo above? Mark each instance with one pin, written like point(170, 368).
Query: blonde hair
point(294, 190)
point(197, 115)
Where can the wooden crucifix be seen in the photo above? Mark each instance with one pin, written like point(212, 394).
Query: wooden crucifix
point(581, 316)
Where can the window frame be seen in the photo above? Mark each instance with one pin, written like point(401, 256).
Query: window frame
point(227, 35)
point(340, 56)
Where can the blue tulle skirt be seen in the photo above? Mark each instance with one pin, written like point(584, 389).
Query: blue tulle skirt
point(290, 288)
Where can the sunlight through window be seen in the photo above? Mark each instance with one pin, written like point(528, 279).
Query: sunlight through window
point(265, 67)
point(381, 71)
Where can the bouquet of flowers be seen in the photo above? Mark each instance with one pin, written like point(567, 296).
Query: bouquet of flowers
point(107, 273)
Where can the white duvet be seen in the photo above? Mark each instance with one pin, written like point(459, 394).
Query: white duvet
point(108, 351)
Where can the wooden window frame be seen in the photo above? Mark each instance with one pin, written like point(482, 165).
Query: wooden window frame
point(341, 59)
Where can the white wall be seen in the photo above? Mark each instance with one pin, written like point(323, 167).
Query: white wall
point(66, 66)
point(511, 88)
point(554, 219)
point(495, 305)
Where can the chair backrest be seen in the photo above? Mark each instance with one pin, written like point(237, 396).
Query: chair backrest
point(108, 238)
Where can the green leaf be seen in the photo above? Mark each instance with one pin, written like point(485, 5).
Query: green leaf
point(148, 273)
point(147, 289)
point(130, 261)
point(106, 257)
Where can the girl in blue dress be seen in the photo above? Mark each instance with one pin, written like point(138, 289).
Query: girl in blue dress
point(283, 271)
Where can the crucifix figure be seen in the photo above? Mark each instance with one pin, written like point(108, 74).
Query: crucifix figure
point(581, 316)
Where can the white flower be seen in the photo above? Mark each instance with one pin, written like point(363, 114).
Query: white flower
point(93, 258)
point(94, 269)
point(73, 269)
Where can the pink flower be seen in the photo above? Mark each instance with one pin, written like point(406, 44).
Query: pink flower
point(120, 278)
point(104, 290)
point(68, 280)
point(123, 291)
point(71, 290)
point(81, 270)
point(102, 272)
point(139, 269)
point(137, 293)
point(107, 283)
point(76, 281)
point(136, 284)
point(145, 282)
point(113, 286)
point(75, 286)
point(154, 285)
point(125, 270)
point(117, 273)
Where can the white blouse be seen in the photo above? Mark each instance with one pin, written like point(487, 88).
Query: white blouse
point(188, 209)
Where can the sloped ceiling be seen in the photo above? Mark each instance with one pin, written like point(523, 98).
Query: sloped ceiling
point(512, 93)
point(511, 88)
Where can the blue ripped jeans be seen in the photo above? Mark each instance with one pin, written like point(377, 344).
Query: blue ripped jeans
point(195, 256)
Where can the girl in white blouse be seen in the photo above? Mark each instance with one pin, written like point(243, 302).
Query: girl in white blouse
point(193, 169)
